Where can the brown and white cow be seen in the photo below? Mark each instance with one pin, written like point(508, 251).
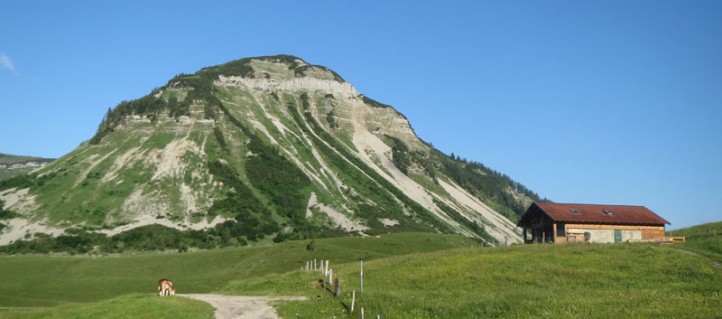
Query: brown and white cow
point(165, 288)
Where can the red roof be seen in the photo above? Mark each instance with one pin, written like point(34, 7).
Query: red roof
point(601, 214)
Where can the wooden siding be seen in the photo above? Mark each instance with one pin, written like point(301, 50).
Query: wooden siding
point(575, 232)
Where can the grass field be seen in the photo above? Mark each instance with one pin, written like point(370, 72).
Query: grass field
point(543, 281)
point(703, 239)
point(405, 276)
point(48, 281)
point(128, 306)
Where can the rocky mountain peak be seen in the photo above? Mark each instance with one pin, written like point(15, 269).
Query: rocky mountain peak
point(265, 146)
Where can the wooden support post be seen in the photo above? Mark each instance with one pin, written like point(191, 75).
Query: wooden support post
point(337, 286)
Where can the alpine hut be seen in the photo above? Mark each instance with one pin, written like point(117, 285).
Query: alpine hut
point(546, 222)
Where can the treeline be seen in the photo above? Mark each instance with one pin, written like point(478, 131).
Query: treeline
point(149, 106)
point(146, 238)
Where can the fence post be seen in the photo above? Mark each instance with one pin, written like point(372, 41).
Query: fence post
point(337, 286)
point(353, 299)
point(362, 275)
point(362, 312)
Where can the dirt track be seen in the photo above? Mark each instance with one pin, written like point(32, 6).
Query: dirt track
point(241, 307)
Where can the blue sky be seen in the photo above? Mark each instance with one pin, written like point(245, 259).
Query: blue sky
point(616, 102)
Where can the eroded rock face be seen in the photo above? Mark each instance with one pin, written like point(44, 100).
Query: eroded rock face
point(308, 84)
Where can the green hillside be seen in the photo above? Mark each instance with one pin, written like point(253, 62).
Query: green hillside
point(14, 165)
point(705, 239)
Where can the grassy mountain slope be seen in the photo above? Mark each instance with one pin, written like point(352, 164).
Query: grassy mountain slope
point(274, 146)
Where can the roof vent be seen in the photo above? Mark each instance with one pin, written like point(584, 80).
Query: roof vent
point(575, 211)
point(608, 212)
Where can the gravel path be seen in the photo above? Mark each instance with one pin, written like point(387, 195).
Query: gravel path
point(241, 307)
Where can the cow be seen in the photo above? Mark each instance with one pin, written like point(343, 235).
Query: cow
point(165, 288)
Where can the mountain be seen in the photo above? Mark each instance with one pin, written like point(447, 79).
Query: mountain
point(265, 146)
point(13, 165)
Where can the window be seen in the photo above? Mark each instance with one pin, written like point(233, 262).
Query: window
point(561, 230)
point(575, 211)
point(608, 212)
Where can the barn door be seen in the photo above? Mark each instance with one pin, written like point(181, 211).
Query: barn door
point(617, 235)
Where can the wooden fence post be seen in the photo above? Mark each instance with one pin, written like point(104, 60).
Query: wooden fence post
point(362, 312)
point(337, 286)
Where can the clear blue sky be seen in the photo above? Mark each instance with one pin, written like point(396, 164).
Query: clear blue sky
point(616, 102)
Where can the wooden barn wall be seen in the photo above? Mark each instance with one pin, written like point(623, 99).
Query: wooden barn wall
point(605, 233)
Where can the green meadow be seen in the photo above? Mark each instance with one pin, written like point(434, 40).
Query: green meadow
point(126, 306)
point(543, 281)
point(705, 239)
point(55, 280)
point(407, 275)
